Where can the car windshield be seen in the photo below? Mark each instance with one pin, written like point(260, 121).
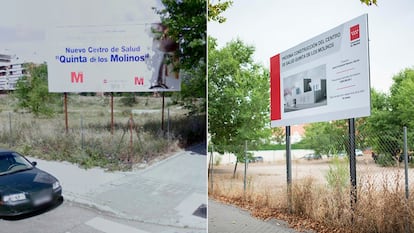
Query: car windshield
point(11, 162)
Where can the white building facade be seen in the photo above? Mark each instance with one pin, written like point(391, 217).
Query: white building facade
point(10, 72)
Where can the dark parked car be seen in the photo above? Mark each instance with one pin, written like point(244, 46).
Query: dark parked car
point(257, 159)
point(358, 152)
point(23, 187)
point(312, 156)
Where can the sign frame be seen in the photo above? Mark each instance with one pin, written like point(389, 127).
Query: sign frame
point(324, 78)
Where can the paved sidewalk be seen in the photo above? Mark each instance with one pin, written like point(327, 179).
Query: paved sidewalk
point(166, 193)
point(229, 219)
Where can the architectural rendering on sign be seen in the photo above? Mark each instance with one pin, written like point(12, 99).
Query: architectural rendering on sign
point(324, 78)
point(306, 89)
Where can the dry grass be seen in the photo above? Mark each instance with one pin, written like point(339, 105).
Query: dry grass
point(380, 207)
point(89, 141)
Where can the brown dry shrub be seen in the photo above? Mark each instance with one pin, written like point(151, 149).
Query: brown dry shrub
point(380, 208)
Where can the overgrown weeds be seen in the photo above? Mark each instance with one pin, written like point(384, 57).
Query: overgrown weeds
point(90, 141)
point(380, 207)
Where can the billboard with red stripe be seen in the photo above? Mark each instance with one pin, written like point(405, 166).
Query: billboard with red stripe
point(324, 78)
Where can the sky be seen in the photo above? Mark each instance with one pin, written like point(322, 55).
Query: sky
point(271, 26)
point(24, 24)
point(275, 26)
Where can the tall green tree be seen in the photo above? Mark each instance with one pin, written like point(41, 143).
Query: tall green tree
point(381, 119)
point(380, 129)
point(331, 138)
point(278, 135)
point(369, 2)
point(402, 103)
point(186, 21)
point(390, 113)
point(32, 91)
point(401, 99)
point(325, 138)
point(215, 10)
point(238, 97)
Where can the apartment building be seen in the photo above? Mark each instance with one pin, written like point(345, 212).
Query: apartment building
point(10, 72)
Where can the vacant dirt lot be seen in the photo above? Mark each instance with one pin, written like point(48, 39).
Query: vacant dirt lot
point(273, 174)
point(316, 204)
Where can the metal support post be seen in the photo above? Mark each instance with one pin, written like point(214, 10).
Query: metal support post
point(352, 161)
point(211, 163)
point(11, 131)
point(65, 103)
point(407, 192)
point(112, 113)
point(245, 166)
point(288, 168)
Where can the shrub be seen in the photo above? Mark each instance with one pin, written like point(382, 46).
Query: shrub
point(129, 100)
point(338, 174)
point(217, 160)
point(33, 94)
point(385, 160)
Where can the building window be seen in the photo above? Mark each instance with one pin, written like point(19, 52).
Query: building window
point(307, 85)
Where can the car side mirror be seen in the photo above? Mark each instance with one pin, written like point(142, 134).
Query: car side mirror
point(34, 163)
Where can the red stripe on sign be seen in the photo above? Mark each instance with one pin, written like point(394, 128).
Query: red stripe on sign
point(275, 101)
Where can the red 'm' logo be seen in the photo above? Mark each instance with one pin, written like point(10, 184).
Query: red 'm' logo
point(354, 32)
point(138, 81)
point(76, 77)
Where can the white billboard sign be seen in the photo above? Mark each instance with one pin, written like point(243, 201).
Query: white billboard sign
point(114, 58)
point(324, 78)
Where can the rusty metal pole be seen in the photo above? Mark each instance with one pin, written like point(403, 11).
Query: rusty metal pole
point(11, 130)
point(65, 103)
point(131, 142)
point(162, 111)
point(112, 113)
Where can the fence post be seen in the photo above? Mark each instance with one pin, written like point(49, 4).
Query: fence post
point(11, 131)
point(245, 166)
point(82, 134)
point(406, 163)
point(168, 126)
point(131, 140)
point(211, 163)
point(407, 223)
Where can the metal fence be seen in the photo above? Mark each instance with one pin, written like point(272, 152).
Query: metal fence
point(376, 151)
point(384, 164)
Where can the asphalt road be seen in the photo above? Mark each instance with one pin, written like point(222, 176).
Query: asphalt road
point(159, 199)
point(71, 217)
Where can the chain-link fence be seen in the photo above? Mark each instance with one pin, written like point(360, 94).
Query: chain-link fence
point(377, 152)
point(321, 178)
